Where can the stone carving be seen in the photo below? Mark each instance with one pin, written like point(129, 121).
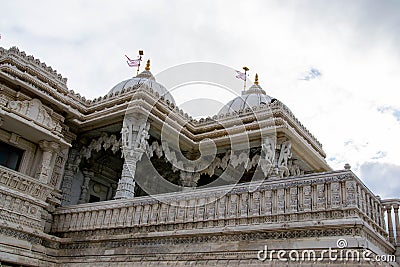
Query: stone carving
point(34, 110)
point(280, 200)
point(143, 137)
point(293, 201)
point(255, 204)
point(321, 198)
point(266, 205)
point(26, 212)
point(285, 154)
point(221, 208)
point(268, 148)
point(351, 194)
point(244, 198)
point(294, 169)
point(189, 179)
point(134, 143)
point(135, 137)
point(45, 169)
point(233, 206)
point(104, 141)
point(24, 184)
point(335, 195)
point(205, 210)
point(126, 133)
point(87, 176)
point(60, 158)
point(307, 198)
point(266, 160)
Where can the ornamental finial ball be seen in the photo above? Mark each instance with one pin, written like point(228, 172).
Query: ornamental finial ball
point(347, 166)
point(256, 79)
point(148, 65)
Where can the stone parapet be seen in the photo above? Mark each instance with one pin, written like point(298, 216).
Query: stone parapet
point(318, 197)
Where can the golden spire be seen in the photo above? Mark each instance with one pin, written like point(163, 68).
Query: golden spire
point(147, 65)
point(256, 79)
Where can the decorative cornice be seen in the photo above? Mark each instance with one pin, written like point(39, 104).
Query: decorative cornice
point(33, 73)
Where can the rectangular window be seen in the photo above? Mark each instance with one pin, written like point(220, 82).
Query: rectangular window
point(10, 156)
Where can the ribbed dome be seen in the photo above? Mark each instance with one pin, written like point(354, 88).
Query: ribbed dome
point(147, 79)
point(255, 96)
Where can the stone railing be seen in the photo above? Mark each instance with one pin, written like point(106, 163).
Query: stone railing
point(25, 184)
point(393, 230)
point(22, 199)
point(326, 196)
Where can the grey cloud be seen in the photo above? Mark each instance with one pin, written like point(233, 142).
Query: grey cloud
point(382, 178)
point(380, 154)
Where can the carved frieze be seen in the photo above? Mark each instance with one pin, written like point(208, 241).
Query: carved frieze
point(35, 111)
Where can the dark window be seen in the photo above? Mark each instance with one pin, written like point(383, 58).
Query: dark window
point(94, 199)
point(10, 156)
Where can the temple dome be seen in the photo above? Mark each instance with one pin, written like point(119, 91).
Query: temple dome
point(255, 96)
point(145, 78)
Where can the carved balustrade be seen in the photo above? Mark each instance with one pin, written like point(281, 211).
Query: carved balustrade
point(22, 199)
point(390, 208)
point(316, 197)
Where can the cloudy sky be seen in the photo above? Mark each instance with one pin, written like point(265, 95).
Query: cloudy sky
point(352, 106)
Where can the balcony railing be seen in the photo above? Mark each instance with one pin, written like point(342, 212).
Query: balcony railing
point(325, 196)
point(22, 199)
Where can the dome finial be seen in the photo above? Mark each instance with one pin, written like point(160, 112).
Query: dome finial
point(147, 65)
point(256, 79)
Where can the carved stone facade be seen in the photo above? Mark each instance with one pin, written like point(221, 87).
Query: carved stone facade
point(77, 194)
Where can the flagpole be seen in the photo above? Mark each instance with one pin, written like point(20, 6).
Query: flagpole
point(245, 77)
point(140, 59)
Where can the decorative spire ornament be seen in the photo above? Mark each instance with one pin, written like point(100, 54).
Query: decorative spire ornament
point(256, 79)
point(147, 65)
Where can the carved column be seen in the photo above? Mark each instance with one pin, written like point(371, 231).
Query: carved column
point(397, 223)
point(70, 170)
point(46, 165)
point(126, 185)
point(135, 133)
point(87, 176)
point(388, 209)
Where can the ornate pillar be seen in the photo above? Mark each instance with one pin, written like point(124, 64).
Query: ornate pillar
point(87, 176)
point(126, 184)
point(70, 169)
point(397, 222)
point(388, 209)
point(46, 165)
point(135, 133)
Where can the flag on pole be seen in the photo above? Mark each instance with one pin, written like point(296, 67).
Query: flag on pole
point(133, 62)
point(241, 75)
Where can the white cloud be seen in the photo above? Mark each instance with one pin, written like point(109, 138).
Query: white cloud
point(353, 43)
